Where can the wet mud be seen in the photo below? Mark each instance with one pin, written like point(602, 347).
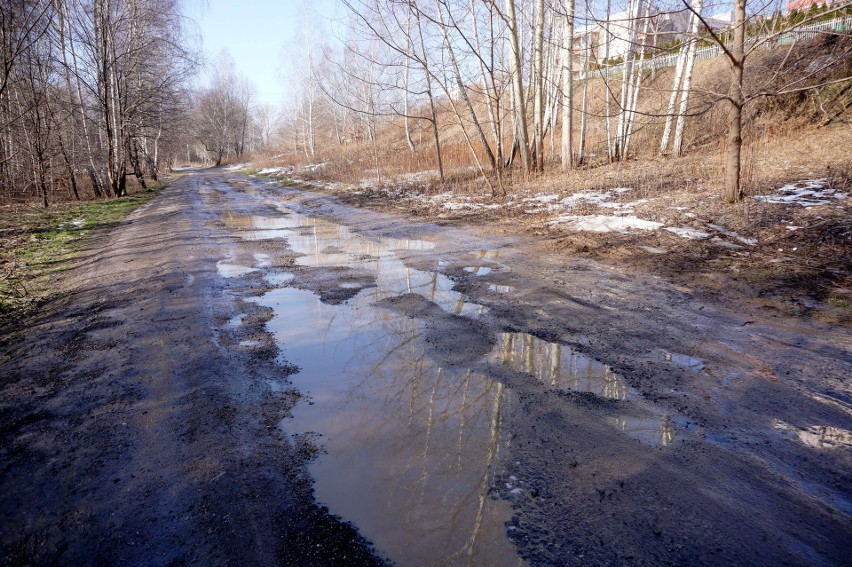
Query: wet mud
point(363, 389)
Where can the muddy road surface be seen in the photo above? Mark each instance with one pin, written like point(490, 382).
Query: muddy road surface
point(245, 373)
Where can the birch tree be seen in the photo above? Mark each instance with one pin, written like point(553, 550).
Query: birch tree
point(568, 88)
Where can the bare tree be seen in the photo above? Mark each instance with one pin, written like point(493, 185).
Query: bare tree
point(568, 88)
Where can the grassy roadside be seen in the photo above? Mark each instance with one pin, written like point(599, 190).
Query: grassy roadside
point(36, 244)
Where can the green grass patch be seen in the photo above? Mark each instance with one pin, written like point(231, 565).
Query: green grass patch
point(35, 243)
point(839, 302)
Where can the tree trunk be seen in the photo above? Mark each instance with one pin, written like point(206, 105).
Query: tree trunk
point(583, 110)
point(637, 82)
point(733, 191)
point(607, 96)
point(538, 80)
point(463, 92)
point(568, 88)
point(517, 85)
point(678, 79)
point(687, 81)
point(433, 113)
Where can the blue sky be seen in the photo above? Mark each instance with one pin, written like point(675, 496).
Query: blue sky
point(257, 34)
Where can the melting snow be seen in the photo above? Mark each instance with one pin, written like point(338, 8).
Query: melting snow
point(734, 235)
point(725, 243)
point(271, 171)
point(807, 193)
point(601, 223)
point(689, 233)
point(541, 199)
point(456, 206)
point(591, 197)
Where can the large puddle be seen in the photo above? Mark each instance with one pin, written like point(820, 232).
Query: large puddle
point(409, 447)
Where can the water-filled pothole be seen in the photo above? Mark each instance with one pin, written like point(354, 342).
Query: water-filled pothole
point(478, 270)
point(412, 446)
point(560, 366)
point(228, 270)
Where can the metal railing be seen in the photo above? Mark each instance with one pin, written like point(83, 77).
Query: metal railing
point(836, 25)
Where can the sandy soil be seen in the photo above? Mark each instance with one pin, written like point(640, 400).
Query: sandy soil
point(137, 427)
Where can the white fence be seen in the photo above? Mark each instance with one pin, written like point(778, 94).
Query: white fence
point(837, 25)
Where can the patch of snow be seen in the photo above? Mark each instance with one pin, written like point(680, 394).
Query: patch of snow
point(793, 228)
point(690, 233)
point(236, 166)
point(591, 197)
point(725, 244)
point(271, 171)
point(314, 166)
point(456, 206)
point(624, 207)
point(541, 199)
point(602, 223)
point(734, 235)
point(806, 193)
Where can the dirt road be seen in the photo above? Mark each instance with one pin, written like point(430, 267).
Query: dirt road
point(240, 351)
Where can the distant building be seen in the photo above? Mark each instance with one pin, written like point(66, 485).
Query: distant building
point(611, 37)
point(803, 5)
point(719, 22)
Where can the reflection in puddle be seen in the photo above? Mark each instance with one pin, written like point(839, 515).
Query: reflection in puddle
point(501, 289)
point(654, 431)
point(324, 244)
point(560, 366)
point(411, 448)
point(684, 361)
point(253, 227)
point(235, 321)
point(227, 270)
point(478, 270)
point(279, 279)
point(817, 436)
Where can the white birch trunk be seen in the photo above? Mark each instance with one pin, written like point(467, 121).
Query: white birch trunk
point(517, 85)
point(568, 88)
point(687, 81)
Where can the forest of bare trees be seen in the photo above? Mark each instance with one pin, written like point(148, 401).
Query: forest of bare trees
point(513, 77)
point(92, 92)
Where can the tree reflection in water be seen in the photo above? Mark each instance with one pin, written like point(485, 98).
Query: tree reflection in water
point(560, 366)
point(411, 446)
